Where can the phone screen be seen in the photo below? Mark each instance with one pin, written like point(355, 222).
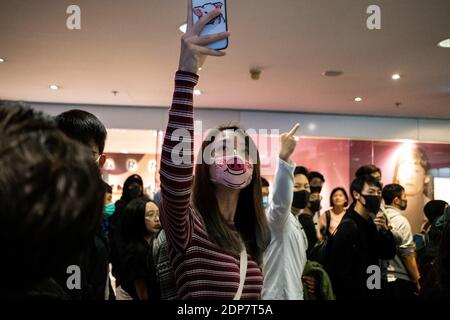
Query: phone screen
point(219, 24)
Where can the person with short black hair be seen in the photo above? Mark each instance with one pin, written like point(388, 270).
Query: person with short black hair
point(316, 181)
point(369, 169)
point(285, 258)
point(402, 273)
point(59, 206)
point(301, 205)
point(87, 129)
point(357, 244)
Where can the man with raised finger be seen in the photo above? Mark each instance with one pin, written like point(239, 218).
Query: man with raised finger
point(285, 258)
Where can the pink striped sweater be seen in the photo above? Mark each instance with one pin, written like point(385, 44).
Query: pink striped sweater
point(202, 269)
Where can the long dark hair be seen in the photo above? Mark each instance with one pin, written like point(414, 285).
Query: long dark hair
point(250, 219)
point(133, 225)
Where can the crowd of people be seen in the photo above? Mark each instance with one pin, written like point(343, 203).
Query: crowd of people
point(215, 234)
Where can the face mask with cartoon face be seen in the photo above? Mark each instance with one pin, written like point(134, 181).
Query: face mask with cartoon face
point(231, 171)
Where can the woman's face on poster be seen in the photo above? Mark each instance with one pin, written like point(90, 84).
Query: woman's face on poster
point(411, 175)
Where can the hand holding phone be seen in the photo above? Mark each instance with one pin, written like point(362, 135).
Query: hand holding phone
point(194, 45)
point(219, 24)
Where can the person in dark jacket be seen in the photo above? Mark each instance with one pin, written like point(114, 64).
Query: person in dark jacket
point(358, 244)
point(133, 188)
point(437, 284)
point(87, 129)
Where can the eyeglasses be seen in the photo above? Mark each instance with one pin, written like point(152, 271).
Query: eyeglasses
point(96, 156)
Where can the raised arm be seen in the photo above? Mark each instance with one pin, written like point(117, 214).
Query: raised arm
point(280, 208)
point(176, 178)
point(177, 150)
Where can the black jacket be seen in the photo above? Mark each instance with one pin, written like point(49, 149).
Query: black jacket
point(356, 245)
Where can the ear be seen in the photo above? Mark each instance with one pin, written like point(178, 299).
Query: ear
point(356, 195)
point(427, 180)
point(101, 161)
point(396, 202)
point(198, 12)
point(218, 5)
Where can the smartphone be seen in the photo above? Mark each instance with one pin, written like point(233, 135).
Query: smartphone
point(219, 24)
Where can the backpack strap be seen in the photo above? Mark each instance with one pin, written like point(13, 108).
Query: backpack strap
point(243, 272)
point(328, 217)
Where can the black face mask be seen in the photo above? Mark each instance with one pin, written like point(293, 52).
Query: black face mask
point(300, 200)
point(373, 203)
point(404, 205)
point(315, 189)
point(314, 205)
point(134, 191)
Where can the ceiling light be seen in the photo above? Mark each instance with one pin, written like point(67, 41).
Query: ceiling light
point(197, 92)
point(396, 76)
point(312, 126)
point(54, 87)
point(183, 28)
point(2, 60)
point(332, 73)
point(358, 99)
point(124, 151)
point(444, 43)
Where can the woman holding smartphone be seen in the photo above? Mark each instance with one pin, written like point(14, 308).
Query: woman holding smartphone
point(216, 226)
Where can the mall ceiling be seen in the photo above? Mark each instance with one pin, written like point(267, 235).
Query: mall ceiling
point(132, 47)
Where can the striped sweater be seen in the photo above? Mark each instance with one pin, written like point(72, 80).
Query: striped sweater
point(203, 270)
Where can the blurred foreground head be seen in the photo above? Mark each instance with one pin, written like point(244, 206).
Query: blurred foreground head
point(51, 197)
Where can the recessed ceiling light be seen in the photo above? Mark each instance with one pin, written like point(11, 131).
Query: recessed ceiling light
point(2, 60)
point(444, 43)
point(358, 99)
point(395, 76)
point(197, 92)
point(312, 126)
point(332, 73)
point(54, 87)
point(183, 28)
